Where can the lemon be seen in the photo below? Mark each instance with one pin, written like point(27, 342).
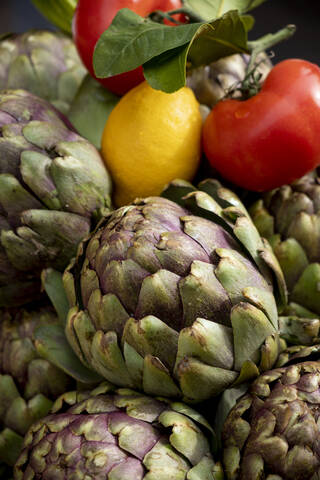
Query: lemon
point(151, 138)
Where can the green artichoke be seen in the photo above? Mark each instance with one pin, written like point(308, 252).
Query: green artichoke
point(173, 304)
point(29, 383)
point(118, 435)
point(44, 63)
point(212, 82)
point(273, 431)
point(289, 217)
point(53, 188)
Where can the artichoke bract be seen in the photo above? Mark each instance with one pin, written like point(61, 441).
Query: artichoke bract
point(171, 303)
point(118, 435)
point(29, 383)
point(273, 431)
point(289, 217)
point(53, 189)
point(44, 63)
point(212, 82)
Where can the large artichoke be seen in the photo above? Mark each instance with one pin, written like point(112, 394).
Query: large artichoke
point(273, 431)
point(212, 82)
point(29, 383)
point(289, 217)
point(118, 435)
point(53, 188)
point(44, 63)
point(171, 303)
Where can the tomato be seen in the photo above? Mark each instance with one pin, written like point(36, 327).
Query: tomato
point(93, 17)
point(272, 138)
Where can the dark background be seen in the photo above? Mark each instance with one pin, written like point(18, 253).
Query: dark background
point(20, 15)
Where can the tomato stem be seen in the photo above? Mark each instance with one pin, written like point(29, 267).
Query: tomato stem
point(268, 41)
point(193, 17)
point(158, 16)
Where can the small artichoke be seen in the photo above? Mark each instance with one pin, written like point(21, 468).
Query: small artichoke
point(118, 435)
point(171, 303)
point(29, 383)
point(289, 217)
point(53, 188)
point(44, 63)
point(212, 82)
point(273, 431)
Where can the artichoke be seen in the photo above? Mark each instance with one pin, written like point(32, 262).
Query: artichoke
point(53, 188)
point(29, 383)
point(118, 435)
point(273, 431)
point(44, 63)
point(212, 82)
point(174, 304)
point(289, 217)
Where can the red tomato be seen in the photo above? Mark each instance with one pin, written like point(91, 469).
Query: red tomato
point(272, 138)
point(93, 17)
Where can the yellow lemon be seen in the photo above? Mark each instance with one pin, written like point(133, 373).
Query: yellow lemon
point(151, 138)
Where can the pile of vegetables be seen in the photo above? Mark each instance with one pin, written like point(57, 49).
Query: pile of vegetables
point(159, 246)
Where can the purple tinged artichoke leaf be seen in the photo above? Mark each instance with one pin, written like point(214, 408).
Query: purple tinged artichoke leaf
point(159, 296)
point(35, 170)
point(202, 295)
point(46, 232)
point(46, 134)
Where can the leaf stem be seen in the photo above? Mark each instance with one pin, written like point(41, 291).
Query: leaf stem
point(268, 41)
point(193, 17)
point(159, 15)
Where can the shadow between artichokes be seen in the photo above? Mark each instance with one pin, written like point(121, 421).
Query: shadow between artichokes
point(119, 434)
point(54, 188)
point(174, 301)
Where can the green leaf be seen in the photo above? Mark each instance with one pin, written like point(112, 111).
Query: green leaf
point(58, 12)
point(167, 72)
point(212, 9)
point(225, 36)
point(91, 108)
point(248, 22)
point(131, 41)
point(51, 343)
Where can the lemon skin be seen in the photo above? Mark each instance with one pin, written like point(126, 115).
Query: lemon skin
point(151, 138)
